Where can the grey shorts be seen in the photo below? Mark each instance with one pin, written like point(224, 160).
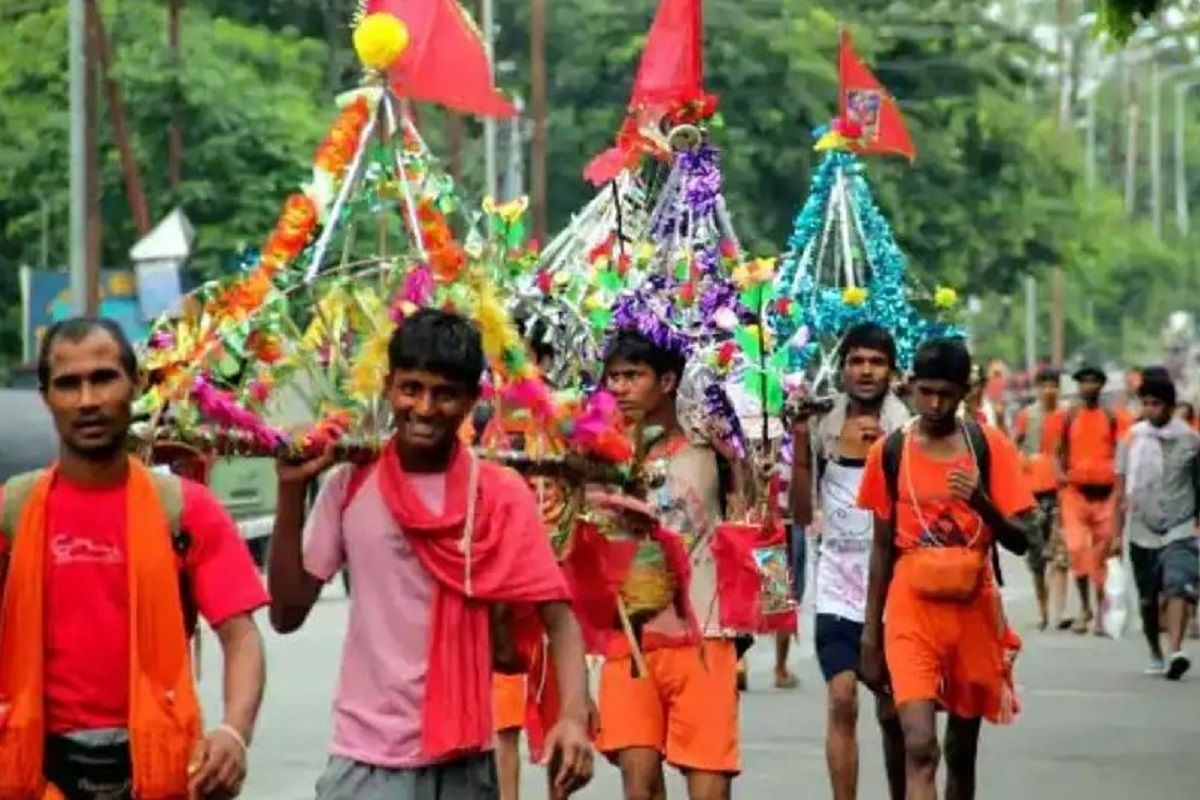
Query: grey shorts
point(472, 778)
point(1179, 569)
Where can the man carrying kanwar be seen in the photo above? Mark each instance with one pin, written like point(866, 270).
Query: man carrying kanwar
point(943, 491)
point(435, 537)
point(863, 412)
point(104, 567)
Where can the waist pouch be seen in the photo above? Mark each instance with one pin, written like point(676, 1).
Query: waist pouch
point(91, 765)
point(947, 574)
point(1096, 491)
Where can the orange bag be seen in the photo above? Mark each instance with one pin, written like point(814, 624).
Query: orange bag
point(947, 574)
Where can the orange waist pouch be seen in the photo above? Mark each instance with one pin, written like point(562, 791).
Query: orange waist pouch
point(946, 574)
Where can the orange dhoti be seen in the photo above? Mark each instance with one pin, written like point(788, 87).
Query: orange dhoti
point(1087, 529)
point(957, 654)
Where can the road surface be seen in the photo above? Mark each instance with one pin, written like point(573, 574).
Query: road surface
point(1092, 725)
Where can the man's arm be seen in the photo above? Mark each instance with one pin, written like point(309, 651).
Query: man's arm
point(293, 590)
point(1012, 532)
point(245, 672)
point(882, 561)
point(800, 488)
point(568, 743)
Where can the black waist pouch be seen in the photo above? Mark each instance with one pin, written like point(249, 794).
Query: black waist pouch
point(91, 765)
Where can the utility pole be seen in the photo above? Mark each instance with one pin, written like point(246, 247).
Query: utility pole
point(175, 133)
point(134, 190)
point(538, 100)
point(514, 180)
point(1131, 141)
point(491, 179)
point(1031, 337)
point(1058, 314)
point(91, 294)
point(77, 44)
point(1156, 176)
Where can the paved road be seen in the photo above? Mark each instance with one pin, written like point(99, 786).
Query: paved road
point(1093, 726)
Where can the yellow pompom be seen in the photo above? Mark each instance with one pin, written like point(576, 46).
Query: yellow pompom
point(945, 297)
point(379, 40)
point(854, 296)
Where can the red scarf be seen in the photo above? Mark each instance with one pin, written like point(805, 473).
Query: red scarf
point(507, 559)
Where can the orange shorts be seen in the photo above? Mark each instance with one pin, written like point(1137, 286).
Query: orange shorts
point(1087, 529)
point(508, 701)
point(686, 708)
point(948, 652)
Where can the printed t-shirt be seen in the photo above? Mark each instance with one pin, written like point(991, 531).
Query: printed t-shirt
point(87, 594)
point(1040, 465)
point(689, 503)
point(379, 701)
point(938, 518)
point(1092, 447)
point(846, 534)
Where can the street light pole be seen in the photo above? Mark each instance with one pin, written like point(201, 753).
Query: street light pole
point(1182, 211)
point(1156, 80)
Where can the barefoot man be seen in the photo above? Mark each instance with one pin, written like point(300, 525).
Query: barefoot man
point(942, 491)
point(864, 413)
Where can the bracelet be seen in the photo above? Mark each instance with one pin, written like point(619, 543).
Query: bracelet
point(234, 734)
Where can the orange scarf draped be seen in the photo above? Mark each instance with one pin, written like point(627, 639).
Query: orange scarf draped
point(164, 712)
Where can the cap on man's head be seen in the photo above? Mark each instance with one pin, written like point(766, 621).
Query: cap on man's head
point(1089, 372)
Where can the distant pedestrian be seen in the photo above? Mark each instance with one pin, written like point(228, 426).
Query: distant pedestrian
point(1159, 508)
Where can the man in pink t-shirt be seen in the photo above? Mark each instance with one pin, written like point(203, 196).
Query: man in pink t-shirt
point(431, 536)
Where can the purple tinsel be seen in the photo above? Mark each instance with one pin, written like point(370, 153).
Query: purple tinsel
point(720, 410)
point(701, 179)
point(650, 311)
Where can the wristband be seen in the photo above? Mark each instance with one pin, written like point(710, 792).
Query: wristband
point(234, 734)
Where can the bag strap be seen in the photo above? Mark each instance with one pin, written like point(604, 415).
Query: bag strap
point(893, 450)
point(978, 440)
point(16, 493)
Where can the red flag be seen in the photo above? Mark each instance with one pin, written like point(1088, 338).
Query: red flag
point(671, 73)
point(672, 66)
point(445, 62)
point(862, 100)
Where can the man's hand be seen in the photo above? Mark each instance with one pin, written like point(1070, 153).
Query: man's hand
point(569, 756)
point(965, 486)
point(218, 767)
point(303, 472)
point(872, 666)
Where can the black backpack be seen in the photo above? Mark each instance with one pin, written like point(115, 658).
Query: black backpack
point(893, 451)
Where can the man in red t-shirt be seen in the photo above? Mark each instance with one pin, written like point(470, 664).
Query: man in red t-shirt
point(88, 373)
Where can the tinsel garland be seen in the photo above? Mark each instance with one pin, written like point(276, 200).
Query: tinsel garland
point(799, 301)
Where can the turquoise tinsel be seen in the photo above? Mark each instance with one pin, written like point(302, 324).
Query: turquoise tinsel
point(821, 309)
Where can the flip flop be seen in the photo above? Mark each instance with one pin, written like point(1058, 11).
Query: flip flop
point(786, 681)
point(1065, 623)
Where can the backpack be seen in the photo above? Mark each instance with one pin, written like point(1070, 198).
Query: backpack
point(1065, 445)
point(893, 451)
point(169, 489)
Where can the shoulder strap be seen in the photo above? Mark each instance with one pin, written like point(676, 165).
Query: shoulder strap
point(16, 492)
point(358, 476)
point(978, 440)
point(169, 488)
point(893, 450)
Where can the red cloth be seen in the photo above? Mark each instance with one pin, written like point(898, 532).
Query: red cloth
point(508, 560)
point(863, 100)
point(445, 61)
point(740, 579)
point(87, 595)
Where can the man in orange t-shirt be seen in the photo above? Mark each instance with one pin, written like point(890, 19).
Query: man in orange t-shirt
point(946, 644)
point(1088, 455)
point(1038, 430)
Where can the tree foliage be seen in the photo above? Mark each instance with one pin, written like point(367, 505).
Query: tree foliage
point(997, 190)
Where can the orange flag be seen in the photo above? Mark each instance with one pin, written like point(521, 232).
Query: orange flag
point(445, 62)
point(863, 101)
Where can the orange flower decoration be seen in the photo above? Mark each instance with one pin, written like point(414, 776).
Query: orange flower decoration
point(337, 148)
point(265, 347)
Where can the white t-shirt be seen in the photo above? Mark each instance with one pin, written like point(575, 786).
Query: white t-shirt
point(846, 534)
